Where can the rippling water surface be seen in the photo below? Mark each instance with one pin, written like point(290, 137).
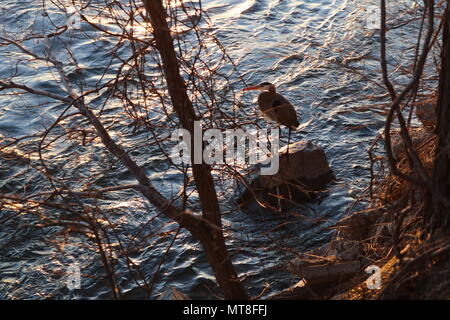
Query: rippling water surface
point(300, 46)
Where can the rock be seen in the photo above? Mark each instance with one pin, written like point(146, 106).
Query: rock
point(301, 174)
point(357, 226)
point(306, 162)
point(323, 270)
point(334, 272)
point(346, 250)
point(426, 112)
point(304, 292)
point(419, 137)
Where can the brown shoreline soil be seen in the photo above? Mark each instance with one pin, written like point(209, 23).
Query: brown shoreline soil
point(388, 234)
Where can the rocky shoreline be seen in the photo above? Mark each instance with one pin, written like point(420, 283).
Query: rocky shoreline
point(369, 240)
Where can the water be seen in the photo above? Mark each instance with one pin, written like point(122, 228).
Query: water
point(300, 46)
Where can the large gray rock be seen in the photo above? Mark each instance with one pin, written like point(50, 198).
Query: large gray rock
point(306, 162)
point(301, 174)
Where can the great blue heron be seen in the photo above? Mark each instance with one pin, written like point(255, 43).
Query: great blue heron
point(276, 107)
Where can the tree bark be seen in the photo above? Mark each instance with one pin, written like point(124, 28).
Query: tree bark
point(212, 240)
point(438, 213)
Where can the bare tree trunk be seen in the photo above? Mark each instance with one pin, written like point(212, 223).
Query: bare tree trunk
point(213, 241)
point(438, 213)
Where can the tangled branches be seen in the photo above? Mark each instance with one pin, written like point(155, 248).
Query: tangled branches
point(124, 111)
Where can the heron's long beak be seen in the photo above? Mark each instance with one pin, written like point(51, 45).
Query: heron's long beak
point(251, 88)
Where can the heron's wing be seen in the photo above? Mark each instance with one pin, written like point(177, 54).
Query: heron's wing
point(282, 111)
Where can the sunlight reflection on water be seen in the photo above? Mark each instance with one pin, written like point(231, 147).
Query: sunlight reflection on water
point(293, 44)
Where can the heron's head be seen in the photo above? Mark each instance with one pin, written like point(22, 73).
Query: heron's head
point(265, 86)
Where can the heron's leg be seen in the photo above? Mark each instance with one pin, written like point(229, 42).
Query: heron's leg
point(278, 198)
point(289, 142)
point(279, 137)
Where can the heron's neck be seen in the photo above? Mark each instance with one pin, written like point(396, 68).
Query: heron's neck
point(272, 90)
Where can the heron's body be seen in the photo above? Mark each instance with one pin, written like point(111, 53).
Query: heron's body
point(274, 106)
point(277, 108)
